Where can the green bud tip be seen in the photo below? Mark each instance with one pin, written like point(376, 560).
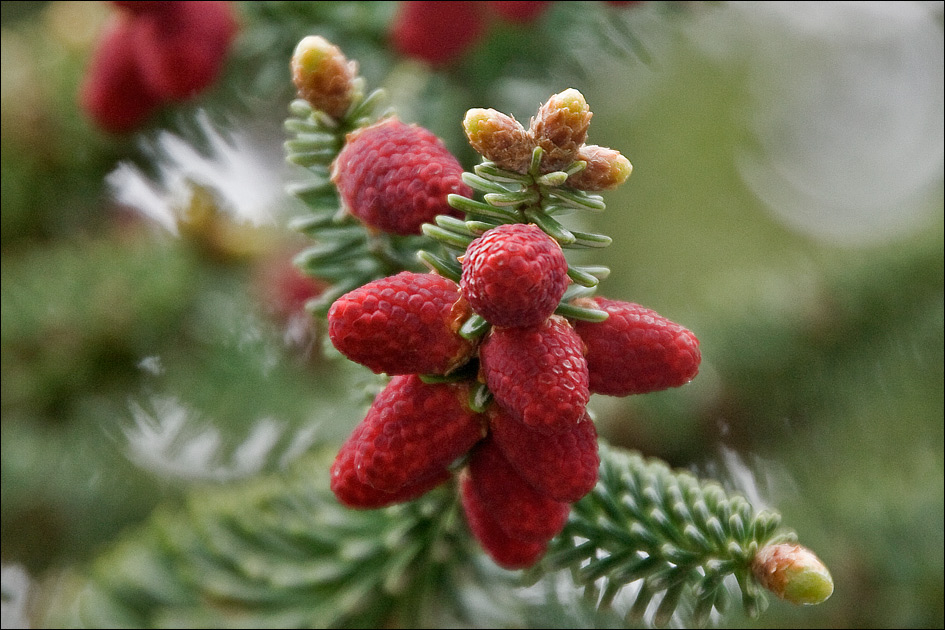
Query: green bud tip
point(793, 573)
point(311, 52)
point(571, 99)
point(475, 121)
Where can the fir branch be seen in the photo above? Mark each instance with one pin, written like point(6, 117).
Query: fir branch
point(170, 439)
point(531, 197)
point(280, 551)
point(676, 539)
point(346, 252)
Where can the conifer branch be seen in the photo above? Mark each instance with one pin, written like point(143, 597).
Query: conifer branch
point(680, 540)
point(344, 252)
point(684, 543)
point(532, 197)
point(280, 551)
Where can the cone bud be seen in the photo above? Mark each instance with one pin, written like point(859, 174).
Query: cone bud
point(323, 76)
point(500, 138)
point(792, 572)
point(560, 128)
point(606, 169)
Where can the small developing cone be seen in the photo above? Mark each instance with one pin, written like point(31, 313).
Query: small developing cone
point(323, 76)
point(606, 169)
point(560, 128)
point(500, 138)
point(793, 573)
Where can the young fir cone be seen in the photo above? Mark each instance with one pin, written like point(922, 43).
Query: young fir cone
point(499, 138)
point(182, 47)
point(395, 177)
point(413, 431)
point(606, 169)
point(636, 350)
point(283, 289)
point(437, 32)
point(538, 374)
point(514, 275)
point(562, 466)
point(113, 92)
point(560, 128)
point(519, 12)
point(520, 511)
point(142, 6)
point(323, 76)
point(507, 552)
point(354, 493)
point(403, 324)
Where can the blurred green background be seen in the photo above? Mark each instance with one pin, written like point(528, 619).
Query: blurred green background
point(786, 205)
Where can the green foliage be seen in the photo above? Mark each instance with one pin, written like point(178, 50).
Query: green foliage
point(510, 197)
point(344, 254)
point(668, 533)
point(280, 551)
point(67, 302)
point(272, 30)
